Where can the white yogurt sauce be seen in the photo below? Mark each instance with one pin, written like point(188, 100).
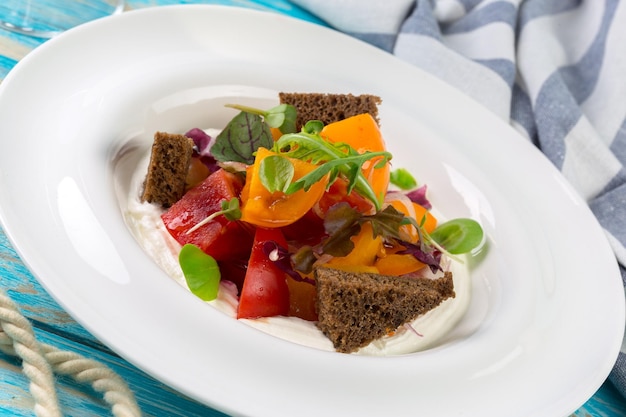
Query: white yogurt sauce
point(145, 223)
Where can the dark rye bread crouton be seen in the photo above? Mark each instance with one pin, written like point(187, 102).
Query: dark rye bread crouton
point(355, 309)
point(330, 107)
point(169, 164)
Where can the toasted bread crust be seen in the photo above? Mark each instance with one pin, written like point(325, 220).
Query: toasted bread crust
point(169, 164)
point(355, 309)
point(330, 107)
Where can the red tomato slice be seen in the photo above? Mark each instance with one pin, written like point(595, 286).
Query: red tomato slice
point(265, 292)
point(221, 238)
point(234, 271)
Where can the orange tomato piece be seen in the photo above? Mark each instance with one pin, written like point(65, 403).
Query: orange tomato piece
point(398, 264)
point(430, 222)
point(196, 174)
point(277, 209)
point(419, 213)
point(363, 134)
point(302, 299)
point(276, 133)
point(370, 269)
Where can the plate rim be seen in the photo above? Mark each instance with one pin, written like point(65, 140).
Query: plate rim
point(22, 247)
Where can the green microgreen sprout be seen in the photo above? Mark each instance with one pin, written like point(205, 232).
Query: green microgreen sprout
point(454, 237)
point(402, 179)
point(334, 159)
point(230, 210)
point(458, 236)
point(276, 173)
point(282, 117)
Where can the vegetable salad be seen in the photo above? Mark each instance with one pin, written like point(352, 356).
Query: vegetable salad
point(265, 204)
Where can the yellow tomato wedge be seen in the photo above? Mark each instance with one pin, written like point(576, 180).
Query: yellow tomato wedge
point(362, 133)
point(362, 258)
point(263, 208)
point(393, 263)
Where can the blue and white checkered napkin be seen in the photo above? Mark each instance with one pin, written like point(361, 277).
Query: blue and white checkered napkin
point(555, 69)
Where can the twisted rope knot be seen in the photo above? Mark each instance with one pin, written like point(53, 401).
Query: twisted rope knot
point(41, 361)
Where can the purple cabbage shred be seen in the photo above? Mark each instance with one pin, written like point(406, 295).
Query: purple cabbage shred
point(419, 196)
point(282, 259)
point(202, 148)
point(432, 259)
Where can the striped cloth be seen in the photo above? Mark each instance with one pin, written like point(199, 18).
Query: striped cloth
point(555, 69)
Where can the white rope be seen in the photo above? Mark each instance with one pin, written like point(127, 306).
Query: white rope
point(41, 361)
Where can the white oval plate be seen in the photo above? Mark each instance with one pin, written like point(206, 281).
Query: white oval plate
point(547, 314)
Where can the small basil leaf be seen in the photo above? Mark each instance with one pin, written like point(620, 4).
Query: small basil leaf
point(282, 117)
point(402, 179)
point(289, 124)
point(276, 173)
point(201, 272)
point(275, 120)
point(458, 236)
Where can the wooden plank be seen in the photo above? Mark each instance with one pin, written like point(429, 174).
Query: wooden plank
point(55, 327)
point(606, 402)
point(35, 303)
point(154, 397)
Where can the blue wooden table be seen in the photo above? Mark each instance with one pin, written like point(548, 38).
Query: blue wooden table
point(55, 327)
